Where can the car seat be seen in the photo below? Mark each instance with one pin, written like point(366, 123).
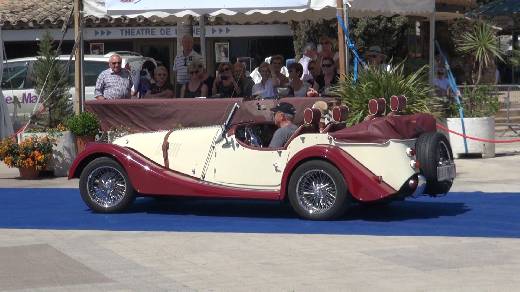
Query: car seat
point(311, 121)
point(376, 108)
point(397, 105)
point(339, 117)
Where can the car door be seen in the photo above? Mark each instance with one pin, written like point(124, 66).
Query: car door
point(238, 165)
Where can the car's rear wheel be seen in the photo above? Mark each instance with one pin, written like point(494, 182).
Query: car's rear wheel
point(433, 150)
point(105, 187)
point(317, 191)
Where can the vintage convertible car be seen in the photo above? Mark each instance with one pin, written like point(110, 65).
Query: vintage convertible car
point(320, 173)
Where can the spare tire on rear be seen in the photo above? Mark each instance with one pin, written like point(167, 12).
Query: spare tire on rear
point(432, 150)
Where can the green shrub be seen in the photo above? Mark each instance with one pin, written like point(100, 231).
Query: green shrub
point(376, 83)
point(84, 124)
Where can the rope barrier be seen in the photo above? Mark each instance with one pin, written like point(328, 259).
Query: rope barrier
point(478, 139)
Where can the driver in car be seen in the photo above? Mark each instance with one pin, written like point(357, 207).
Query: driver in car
point(283, 118)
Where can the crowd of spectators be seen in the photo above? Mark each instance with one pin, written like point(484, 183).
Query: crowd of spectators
point(313, 75)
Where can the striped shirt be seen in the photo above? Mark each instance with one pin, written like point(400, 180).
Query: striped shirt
point(181, 64)
point(114, 86)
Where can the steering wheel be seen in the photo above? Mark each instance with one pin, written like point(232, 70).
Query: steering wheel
point(251, 138)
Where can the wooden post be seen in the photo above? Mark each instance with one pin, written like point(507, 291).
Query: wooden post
point(341, 40)
point(432, 48)
point(78, 98)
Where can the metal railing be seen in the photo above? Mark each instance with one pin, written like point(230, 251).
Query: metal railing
point(509, 111)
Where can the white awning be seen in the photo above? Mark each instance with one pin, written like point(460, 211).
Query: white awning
point(254, 11)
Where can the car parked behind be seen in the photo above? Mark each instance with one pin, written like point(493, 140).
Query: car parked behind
point(18, 80)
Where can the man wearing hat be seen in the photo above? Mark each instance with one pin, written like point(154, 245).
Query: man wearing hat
point(283, 118)
point(376, 58)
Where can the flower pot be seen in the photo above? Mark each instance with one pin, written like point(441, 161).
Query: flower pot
point(28, 172)
point(63, 153)
point(475, 127)
point(82, 141)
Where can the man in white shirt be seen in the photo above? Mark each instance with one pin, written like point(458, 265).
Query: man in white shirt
point(182, 61)
point(309, 53)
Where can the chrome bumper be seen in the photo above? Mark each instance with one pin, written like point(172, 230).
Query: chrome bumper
point(421, 185)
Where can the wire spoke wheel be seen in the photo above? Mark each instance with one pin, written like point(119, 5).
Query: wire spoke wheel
point(316, 191)
point(106, 186)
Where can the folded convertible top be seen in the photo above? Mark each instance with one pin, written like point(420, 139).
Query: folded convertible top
point(382, 129)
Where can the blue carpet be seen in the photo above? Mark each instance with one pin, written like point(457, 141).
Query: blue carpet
point(457, 214)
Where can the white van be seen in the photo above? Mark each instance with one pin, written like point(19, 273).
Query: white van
point(18, 84)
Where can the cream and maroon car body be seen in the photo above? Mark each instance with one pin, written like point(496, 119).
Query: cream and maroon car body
point(317, 169)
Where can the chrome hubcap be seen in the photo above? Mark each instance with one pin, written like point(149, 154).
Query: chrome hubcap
point(316, 191)
point(106, 186)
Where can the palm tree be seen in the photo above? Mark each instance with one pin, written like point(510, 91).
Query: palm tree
point(481, 44)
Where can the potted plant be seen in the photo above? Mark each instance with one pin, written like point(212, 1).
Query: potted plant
point(64, 150)
point(376, 83)
point(30, 155)
point(480, 102)
point(85, 126)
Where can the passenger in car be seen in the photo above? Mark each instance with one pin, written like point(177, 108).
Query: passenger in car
point(283, 117)
point(162, 87)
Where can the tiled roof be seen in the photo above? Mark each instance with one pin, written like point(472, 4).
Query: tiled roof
point(34, 13)
point(23, 14)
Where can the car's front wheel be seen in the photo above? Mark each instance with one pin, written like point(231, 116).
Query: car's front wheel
point(105, 187)
point(317, 191)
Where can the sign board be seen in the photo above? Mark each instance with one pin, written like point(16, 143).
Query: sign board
point(151, 32)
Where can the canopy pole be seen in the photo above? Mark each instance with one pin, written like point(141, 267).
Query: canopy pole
point(341, 40)
point(202, 29)
point(345, 19)
point(78, 57)
point(432, 47)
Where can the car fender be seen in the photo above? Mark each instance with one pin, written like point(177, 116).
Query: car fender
point(362, 183)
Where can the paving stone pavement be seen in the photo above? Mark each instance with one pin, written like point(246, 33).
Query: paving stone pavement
point(177, 261)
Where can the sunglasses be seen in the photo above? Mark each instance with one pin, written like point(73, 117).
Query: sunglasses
point(311, 68)
point(115, 63)
point(276, 63)
point(326, 65)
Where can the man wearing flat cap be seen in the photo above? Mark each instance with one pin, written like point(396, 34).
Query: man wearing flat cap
point(283, 118)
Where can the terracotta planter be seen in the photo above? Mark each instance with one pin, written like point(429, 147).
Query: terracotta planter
point(28, 172)
point(82, 141)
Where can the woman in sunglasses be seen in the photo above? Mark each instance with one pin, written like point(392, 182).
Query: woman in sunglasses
point(328, 78)
point(162, 87)
point(225, 84)
point(195, 87)
point(326, 50)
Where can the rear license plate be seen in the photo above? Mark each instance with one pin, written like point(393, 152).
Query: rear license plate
point(446, 172)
